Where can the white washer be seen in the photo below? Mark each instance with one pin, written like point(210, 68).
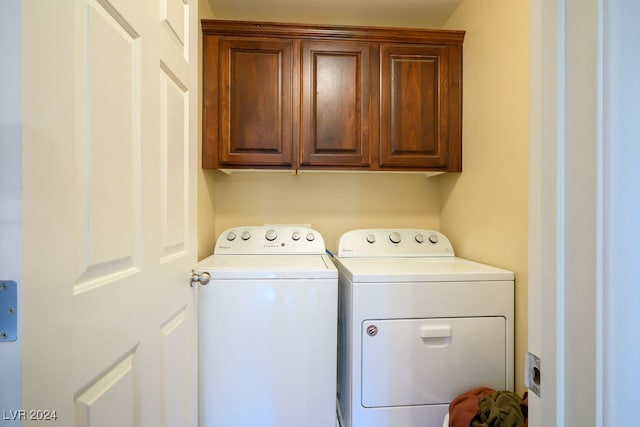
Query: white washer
point(417, 327)
point(268, 330)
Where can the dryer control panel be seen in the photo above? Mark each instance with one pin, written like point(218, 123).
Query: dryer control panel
point(393, 242)
point(270, 239)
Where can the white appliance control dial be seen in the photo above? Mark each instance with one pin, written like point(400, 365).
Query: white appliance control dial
point(278, 239)
point(271, 235)
point(394, 242)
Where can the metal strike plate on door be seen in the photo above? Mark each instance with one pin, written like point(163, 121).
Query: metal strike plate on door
point(8, 311)
point(533, 373)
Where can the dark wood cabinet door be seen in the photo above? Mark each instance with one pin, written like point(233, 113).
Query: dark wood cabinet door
point(256, 102)
point(336, 111)
point(420, 107)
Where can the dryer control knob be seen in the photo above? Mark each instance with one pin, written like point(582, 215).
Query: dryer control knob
point(295, 236)
point(419, 238)
point(271, 235)
point(245, 235)
point(231, 236)
point(395, 237)
point(371, 238)
point(311, 237)
point(433, 239)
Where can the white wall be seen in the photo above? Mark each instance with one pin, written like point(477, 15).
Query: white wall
point(565, 208)
point(585, 240)
point(621, 216)
point(10, 187)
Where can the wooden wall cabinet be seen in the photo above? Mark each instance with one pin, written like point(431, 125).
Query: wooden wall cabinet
point(285, 96)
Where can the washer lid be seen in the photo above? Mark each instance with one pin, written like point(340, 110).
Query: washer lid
point(268, 267)
point(426, 269)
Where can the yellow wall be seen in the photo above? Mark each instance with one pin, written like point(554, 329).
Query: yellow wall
point(484, 209)
point(332, 203)
point(206, 179)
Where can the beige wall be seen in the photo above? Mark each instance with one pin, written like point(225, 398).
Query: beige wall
point(484, 209)
point(206, 178)
point(332, 203)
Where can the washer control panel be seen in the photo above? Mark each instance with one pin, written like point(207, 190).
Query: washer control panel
point(270, 239)
point(400, 242)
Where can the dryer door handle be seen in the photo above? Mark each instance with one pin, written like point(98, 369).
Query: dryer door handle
point(435, 331)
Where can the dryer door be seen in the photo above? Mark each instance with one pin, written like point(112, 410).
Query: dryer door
point(430, 361)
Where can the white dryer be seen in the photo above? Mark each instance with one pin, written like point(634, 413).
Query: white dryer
point(417, 327)
point(268, 330)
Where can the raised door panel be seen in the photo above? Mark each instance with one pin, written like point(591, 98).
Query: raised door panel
point(419, 124)
point(335, 104)
point(256, 98)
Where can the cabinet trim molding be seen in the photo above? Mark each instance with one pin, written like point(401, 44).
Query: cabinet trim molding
point(330, 32)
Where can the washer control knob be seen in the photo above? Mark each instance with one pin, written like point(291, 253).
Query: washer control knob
point(372, 330)
point(245, 235)
point(371, 238)
point(231, 236)
point(311, 237)
point(419, 238)
point(295, 235)
point(433, 239)
point(271, 235)
point(395, 237)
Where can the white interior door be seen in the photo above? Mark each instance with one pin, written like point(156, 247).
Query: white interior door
point(109, 149)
